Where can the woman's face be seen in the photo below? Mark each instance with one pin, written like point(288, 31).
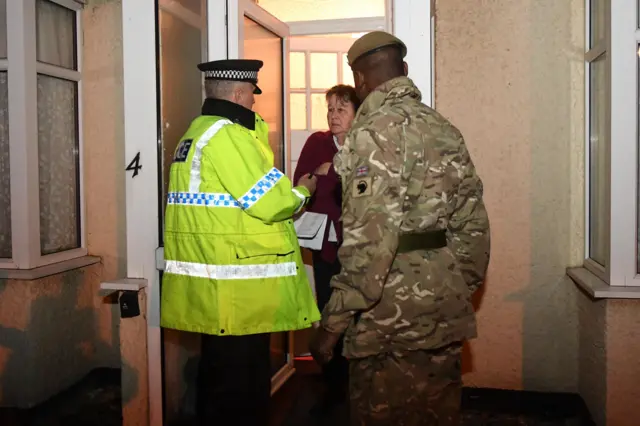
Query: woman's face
point(340, 115)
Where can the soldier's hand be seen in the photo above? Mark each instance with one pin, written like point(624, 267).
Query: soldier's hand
point(309, 181)
point(322, 344)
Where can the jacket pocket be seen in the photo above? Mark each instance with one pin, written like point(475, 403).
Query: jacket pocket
point(265, 246)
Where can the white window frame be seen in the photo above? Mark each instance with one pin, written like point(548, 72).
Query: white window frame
point(336, 47)
point(412, 21)
point(23, 69)
point(619, 277)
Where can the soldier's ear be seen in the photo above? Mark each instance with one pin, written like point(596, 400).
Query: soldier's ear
point(406, 68)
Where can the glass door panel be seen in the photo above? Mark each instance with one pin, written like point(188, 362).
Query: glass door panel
point(182, 42)
point(260, 43)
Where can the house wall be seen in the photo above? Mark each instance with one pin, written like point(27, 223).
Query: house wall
point(56, 329)
point(510, 75)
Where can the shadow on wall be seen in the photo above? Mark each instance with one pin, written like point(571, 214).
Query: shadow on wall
point(518, 100)
point(556, 127)
point(59, 341)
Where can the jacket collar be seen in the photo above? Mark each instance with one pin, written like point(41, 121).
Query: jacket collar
point(396, 88)
point(234, 112)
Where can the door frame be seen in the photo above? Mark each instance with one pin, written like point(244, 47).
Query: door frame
point(142, 137)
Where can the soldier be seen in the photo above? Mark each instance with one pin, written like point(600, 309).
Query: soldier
point(416, 247)
point(233, 270)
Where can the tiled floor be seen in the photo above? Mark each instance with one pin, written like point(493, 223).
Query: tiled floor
point(96, 402)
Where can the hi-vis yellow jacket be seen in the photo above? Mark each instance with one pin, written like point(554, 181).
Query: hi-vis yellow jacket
point(232, 260)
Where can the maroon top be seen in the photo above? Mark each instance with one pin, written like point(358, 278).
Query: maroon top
point(319, 149)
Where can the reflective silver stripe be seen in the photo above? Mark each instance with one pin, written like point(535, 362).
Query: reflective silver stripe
point(230, 272)
point(205, 199)
point(195, 178)
point(302, 199)
point(264, 185)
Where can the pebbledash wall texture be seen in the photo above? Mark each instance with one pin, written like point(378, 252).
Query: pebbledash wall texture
point(510, 75)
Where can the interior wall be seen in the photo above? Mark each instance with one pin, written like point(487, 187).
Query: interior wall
point(510, 76)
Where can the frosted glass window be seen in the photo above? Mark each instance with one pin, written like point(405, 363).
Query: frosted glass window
point(319, 111)
point(297, 69)
point(56, 34)
point(58, 165)
point(195, 6)
point(298, 108)
point(324, 70)
point(347, 74)
point(307, 10)
point(5, 186)
point(3, 29)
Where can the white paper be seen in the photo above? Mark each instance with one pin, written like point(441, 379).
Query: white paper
point(310, 229)
point(333, 237)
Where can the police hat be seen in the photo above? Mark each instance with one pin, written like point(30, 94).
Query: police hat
point(233, 70)
point(373, 42)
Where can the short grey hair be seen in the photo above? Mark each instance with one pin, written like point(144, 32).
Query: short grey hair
point(221, 89)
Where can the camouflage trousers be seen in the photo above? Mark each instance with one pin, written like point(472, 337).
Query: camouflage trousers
point(416, 388)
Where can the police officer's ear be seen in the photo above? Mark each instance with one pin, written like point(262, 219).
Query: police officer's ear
point(236, 95)
point(406, 68)
point(242, 94)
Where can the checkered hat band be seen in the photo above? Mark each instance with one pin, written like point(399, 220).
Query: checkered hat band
point(232, 75)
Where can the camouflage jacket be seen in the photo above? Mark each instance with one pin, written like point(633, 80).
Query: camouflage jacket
point(406, 169)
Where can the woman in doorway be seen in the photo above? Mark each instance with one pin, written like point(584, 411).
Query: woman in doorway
point(317, 158)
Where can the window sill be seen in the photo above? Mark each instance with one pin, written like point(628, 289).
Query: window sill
point(48, 270)
point(598, 289)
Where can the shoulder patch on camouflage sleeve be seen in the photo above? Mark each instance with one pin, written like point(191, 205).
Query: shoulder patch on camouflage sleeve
point(361, 187)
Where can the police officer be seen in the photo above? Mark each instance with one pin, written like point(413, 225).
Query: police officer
point(233, 270)
point(416, 247)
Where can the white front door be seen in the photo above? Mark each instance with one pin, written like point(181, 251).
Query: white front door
point(182, 45)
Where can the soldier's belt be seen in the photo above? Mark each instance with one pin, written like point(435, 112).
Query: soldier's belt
point(429, 240)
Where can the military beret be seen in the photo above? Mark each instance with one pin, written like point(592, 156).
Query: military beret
point(233, 70)
point(371, 43)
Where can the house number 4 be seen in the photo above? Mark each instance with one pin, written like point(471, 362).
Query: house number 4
point(135, 165)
